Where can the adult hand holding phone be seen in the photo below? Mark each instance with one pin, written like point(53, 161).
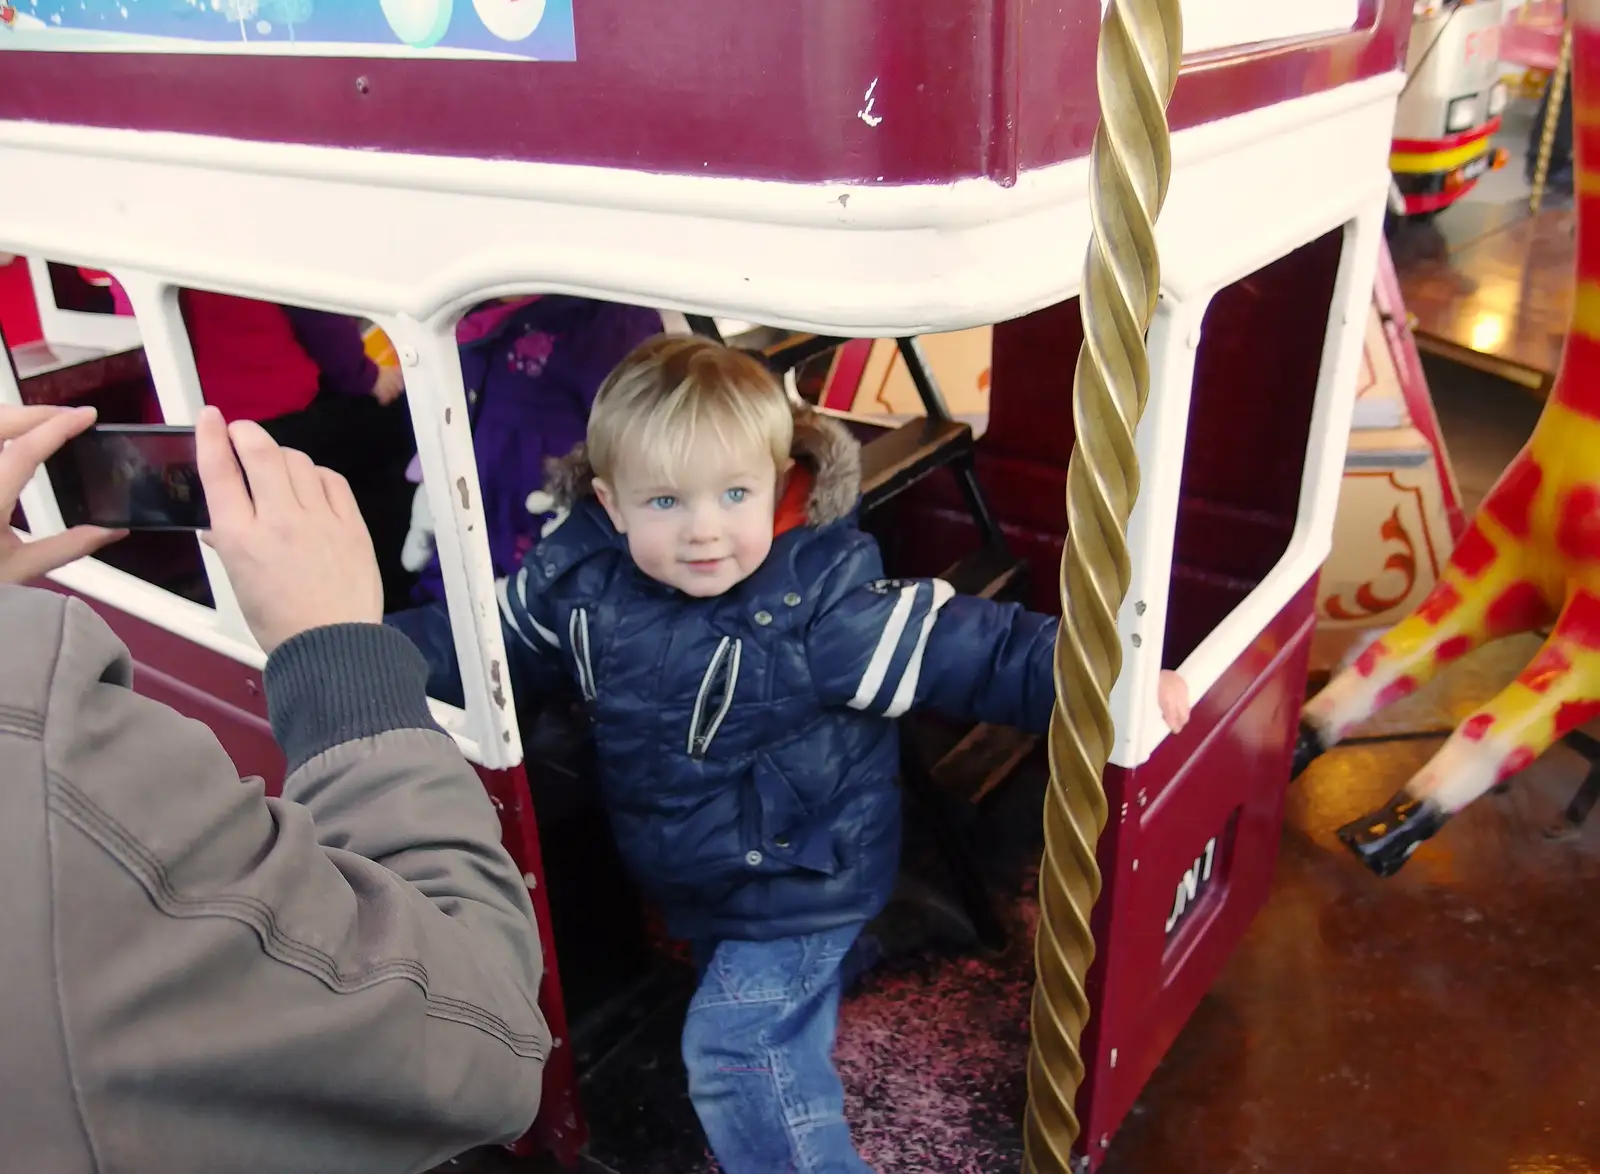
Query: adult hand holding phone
point(27, 437)
point(295, 547)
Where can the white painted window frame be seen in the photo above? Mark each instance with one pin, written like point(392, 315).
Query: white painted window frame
point(78, 328)
point(1210, 25)
point(487, 731)
point(1174, 340)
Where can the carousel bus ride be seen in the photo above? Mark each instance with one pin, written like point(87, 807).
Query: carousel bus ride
point(824, 193)
point(1451, 106)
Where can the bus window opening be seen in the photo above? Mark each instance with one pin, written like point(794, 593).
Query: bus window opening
point(1255, 382)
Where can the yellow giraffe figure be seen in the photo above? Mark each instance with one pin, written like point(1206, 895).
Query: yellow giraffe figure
point(1530, 558)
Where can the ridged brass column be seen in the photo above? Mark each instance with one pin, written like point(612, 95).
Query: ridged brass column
point(1552, 116)
point(1141, 44)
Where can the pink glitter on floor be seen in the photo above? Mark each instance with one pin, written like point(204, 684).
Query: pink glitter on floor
point(932, 1054)
point(933, 1061)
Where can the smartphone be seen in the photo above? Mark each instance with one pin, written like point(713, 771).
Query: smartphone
point(130, 477)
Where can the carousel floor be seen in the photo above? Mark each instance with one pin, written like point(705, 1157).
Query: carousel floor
point(1490, 285)
point(1442, 1020)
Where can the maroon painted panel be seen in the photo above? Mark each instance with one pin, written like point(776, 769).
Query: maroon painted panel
point(1224, 777)
point(560, 1128)
point(715, 87)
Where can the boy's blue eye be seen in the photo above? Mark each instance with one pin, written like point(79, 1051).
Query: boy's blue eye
point(665, 502)
point(735, 496)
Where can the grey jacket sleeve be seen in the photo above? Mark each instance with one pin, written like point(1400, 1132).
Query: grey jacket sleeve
point(341, 980)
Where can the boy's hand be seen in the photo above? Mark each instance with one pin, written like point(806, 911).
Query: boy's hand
point(1172, 696)
point(27, 437)
point(298, 554)
point(389, 386)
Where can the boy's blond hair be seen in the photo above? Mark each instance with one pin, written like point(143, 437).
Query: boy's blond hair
point(671, 389)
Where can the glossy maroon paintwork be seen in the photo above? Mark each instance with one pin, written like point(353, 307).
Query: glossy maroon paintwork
point(710, 87)
point(1228, 770)
point(560, 1128)
point(228, 698)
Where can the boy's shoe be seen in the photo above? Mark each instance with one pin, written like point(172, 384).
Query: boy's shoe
point(1308, 747)
point(919, 918)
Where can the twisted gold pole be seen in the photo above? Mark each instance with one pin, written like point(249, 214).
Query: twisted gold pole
point(1552, 116)
point(1141, 45)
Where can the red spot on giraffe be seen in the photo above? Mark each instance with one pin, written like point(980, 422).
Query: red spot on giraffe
point(1403, 686)
point(1573, 714)
point(1518, 760)
point(1576, 389)
point(1369, 658)
point(1516, 609)
point(1476, 726)
point(1441, 601)
point(1580, 620)
point(1510, 502)
point(1453, 649)
point(1474, 554)
point(1578, 530)
point(1588, 261)
point(1545, 669)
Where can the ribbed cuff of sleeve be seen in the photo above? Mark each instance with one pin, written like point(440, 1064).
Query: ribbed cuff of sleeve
point(334, 684)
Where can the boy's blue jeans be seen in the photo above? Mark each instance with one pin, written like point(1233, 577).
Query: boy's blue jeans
point(758, 1043)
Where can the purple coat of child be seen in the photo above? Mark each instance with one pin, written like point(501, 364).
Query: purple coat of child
point(532, 371)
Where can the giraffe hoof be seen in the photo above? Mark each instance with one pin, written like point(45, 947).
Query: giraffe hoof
point(1384, 839)
point(1308, 747)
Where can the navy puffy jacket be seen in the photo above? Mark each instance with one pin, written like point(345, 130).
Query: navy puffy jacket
point(747, 752)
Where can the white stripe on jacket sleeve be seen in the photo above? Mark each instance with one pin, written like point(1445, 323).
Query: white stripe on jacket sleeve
point(502, 594)
point(883, 654)
point(943, 593)
point(877, 692)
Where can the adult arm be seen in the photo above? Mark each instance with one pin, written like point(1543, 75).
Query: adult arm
point(343, 978)
point(335, 345)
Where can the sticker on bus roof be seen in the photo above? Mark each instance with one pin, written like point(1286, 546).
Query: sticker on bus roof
point(528, 30)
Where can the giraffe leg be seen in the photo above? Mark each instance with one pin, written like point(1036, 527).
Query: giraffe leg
point(1483, 593)
point(1558, 692)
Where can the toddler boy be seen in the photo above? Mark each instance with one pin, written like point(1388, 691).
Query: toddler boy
point(742, 656)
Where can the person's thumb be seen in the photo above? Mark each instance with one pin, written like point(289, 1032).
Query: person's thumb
point(32, 559)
